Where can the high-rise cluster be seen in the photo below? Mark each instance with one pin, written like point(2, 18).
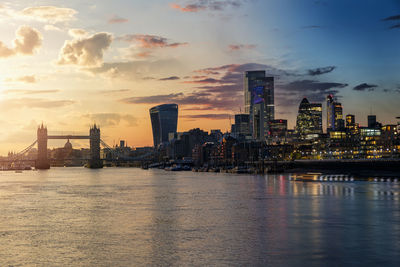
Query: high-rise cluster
point(256, 133)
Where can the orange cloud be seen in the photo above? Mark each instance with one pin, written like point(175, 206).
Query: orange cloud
point(27, 41)
point(144, 54)
point(25, 79)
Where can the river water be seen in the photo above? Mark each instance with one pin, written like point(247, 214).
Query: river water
point(134, 217)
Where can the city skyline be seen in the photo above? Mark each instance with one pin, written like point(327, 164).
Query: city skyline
point(72, 64)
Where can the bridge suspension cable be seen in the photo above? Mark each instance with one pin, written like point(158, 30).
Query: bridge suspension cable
point(23, 152)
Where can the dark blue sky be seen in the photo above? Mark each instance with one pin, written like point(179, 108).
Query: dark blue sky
point(357, 37)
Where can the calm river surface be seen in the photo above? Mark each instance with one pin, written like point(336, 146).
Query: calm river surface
point(134, 217)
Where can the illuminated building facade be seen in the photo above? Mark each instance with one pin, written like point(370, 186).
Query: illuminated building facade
point(334, 114)
point(164, 120)
point(351, 126)
point(259, 103)
point(309, 119)
point(278, 130)
point(398, 126)
point(370, 143)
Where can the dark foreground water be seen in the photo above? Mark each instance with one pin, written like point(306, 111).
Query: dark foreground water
point(134, 217)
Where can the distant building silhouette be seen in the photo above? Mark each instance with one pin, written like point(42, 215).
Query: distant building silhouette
point(95, 161)
point(164, 120)
point(371, 121)
point(42, 161)
point(259, 103)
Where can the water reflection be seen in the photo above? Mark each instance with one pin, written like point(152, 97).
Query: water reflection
point(164, 218)
point(125, 217)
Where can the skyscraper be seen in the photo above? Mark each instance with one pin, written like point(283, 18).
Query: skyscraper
point(334, 114)
point(351, 125)
point(309, 118)
point(241, 126)
point(164, 120)
point(371, 121)
point(259, 103)
point(350, 120)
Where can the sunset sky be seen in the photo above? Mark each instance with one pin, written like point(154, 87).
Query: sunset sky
point(72, 63)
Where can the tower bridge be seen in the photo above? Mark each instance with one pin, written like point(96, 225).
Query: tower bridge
point(42, 161)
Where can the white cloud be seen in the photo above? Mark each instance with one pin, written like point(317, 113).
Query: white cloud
point(50, 14)
point(86, 51)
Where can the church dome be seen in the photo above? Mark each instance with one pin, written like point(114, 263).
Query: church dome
point(68, 145)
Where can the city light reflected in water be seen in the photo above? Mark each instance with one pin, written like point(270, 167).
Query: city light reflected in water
point(134, 217)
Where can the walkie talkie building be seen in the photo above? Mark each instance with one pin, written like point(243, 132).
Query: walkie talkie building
point(164, 120)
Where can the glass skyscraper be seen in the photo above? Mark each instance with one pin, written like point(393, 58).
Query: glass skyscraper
point(164, 120)
point(335, 120)
point(241, 126)
point(259, 103)
point(371, 121)
point(309, 118)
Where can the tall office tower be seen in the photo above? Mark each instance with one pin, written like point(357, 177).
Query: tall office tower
point(164, 120)
point(351, 125)
point(259, 103)
point(334, 116)
point(241, 126)
point(371, 121)
point(350, 120)
point(309, 118)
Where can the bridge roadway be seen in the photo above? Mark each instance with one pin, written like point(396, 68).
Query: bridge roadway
point(68, 137)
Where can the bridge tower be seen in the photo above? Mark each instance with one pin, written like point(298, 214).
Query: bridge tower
point(95, 161)
point(42, 163)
